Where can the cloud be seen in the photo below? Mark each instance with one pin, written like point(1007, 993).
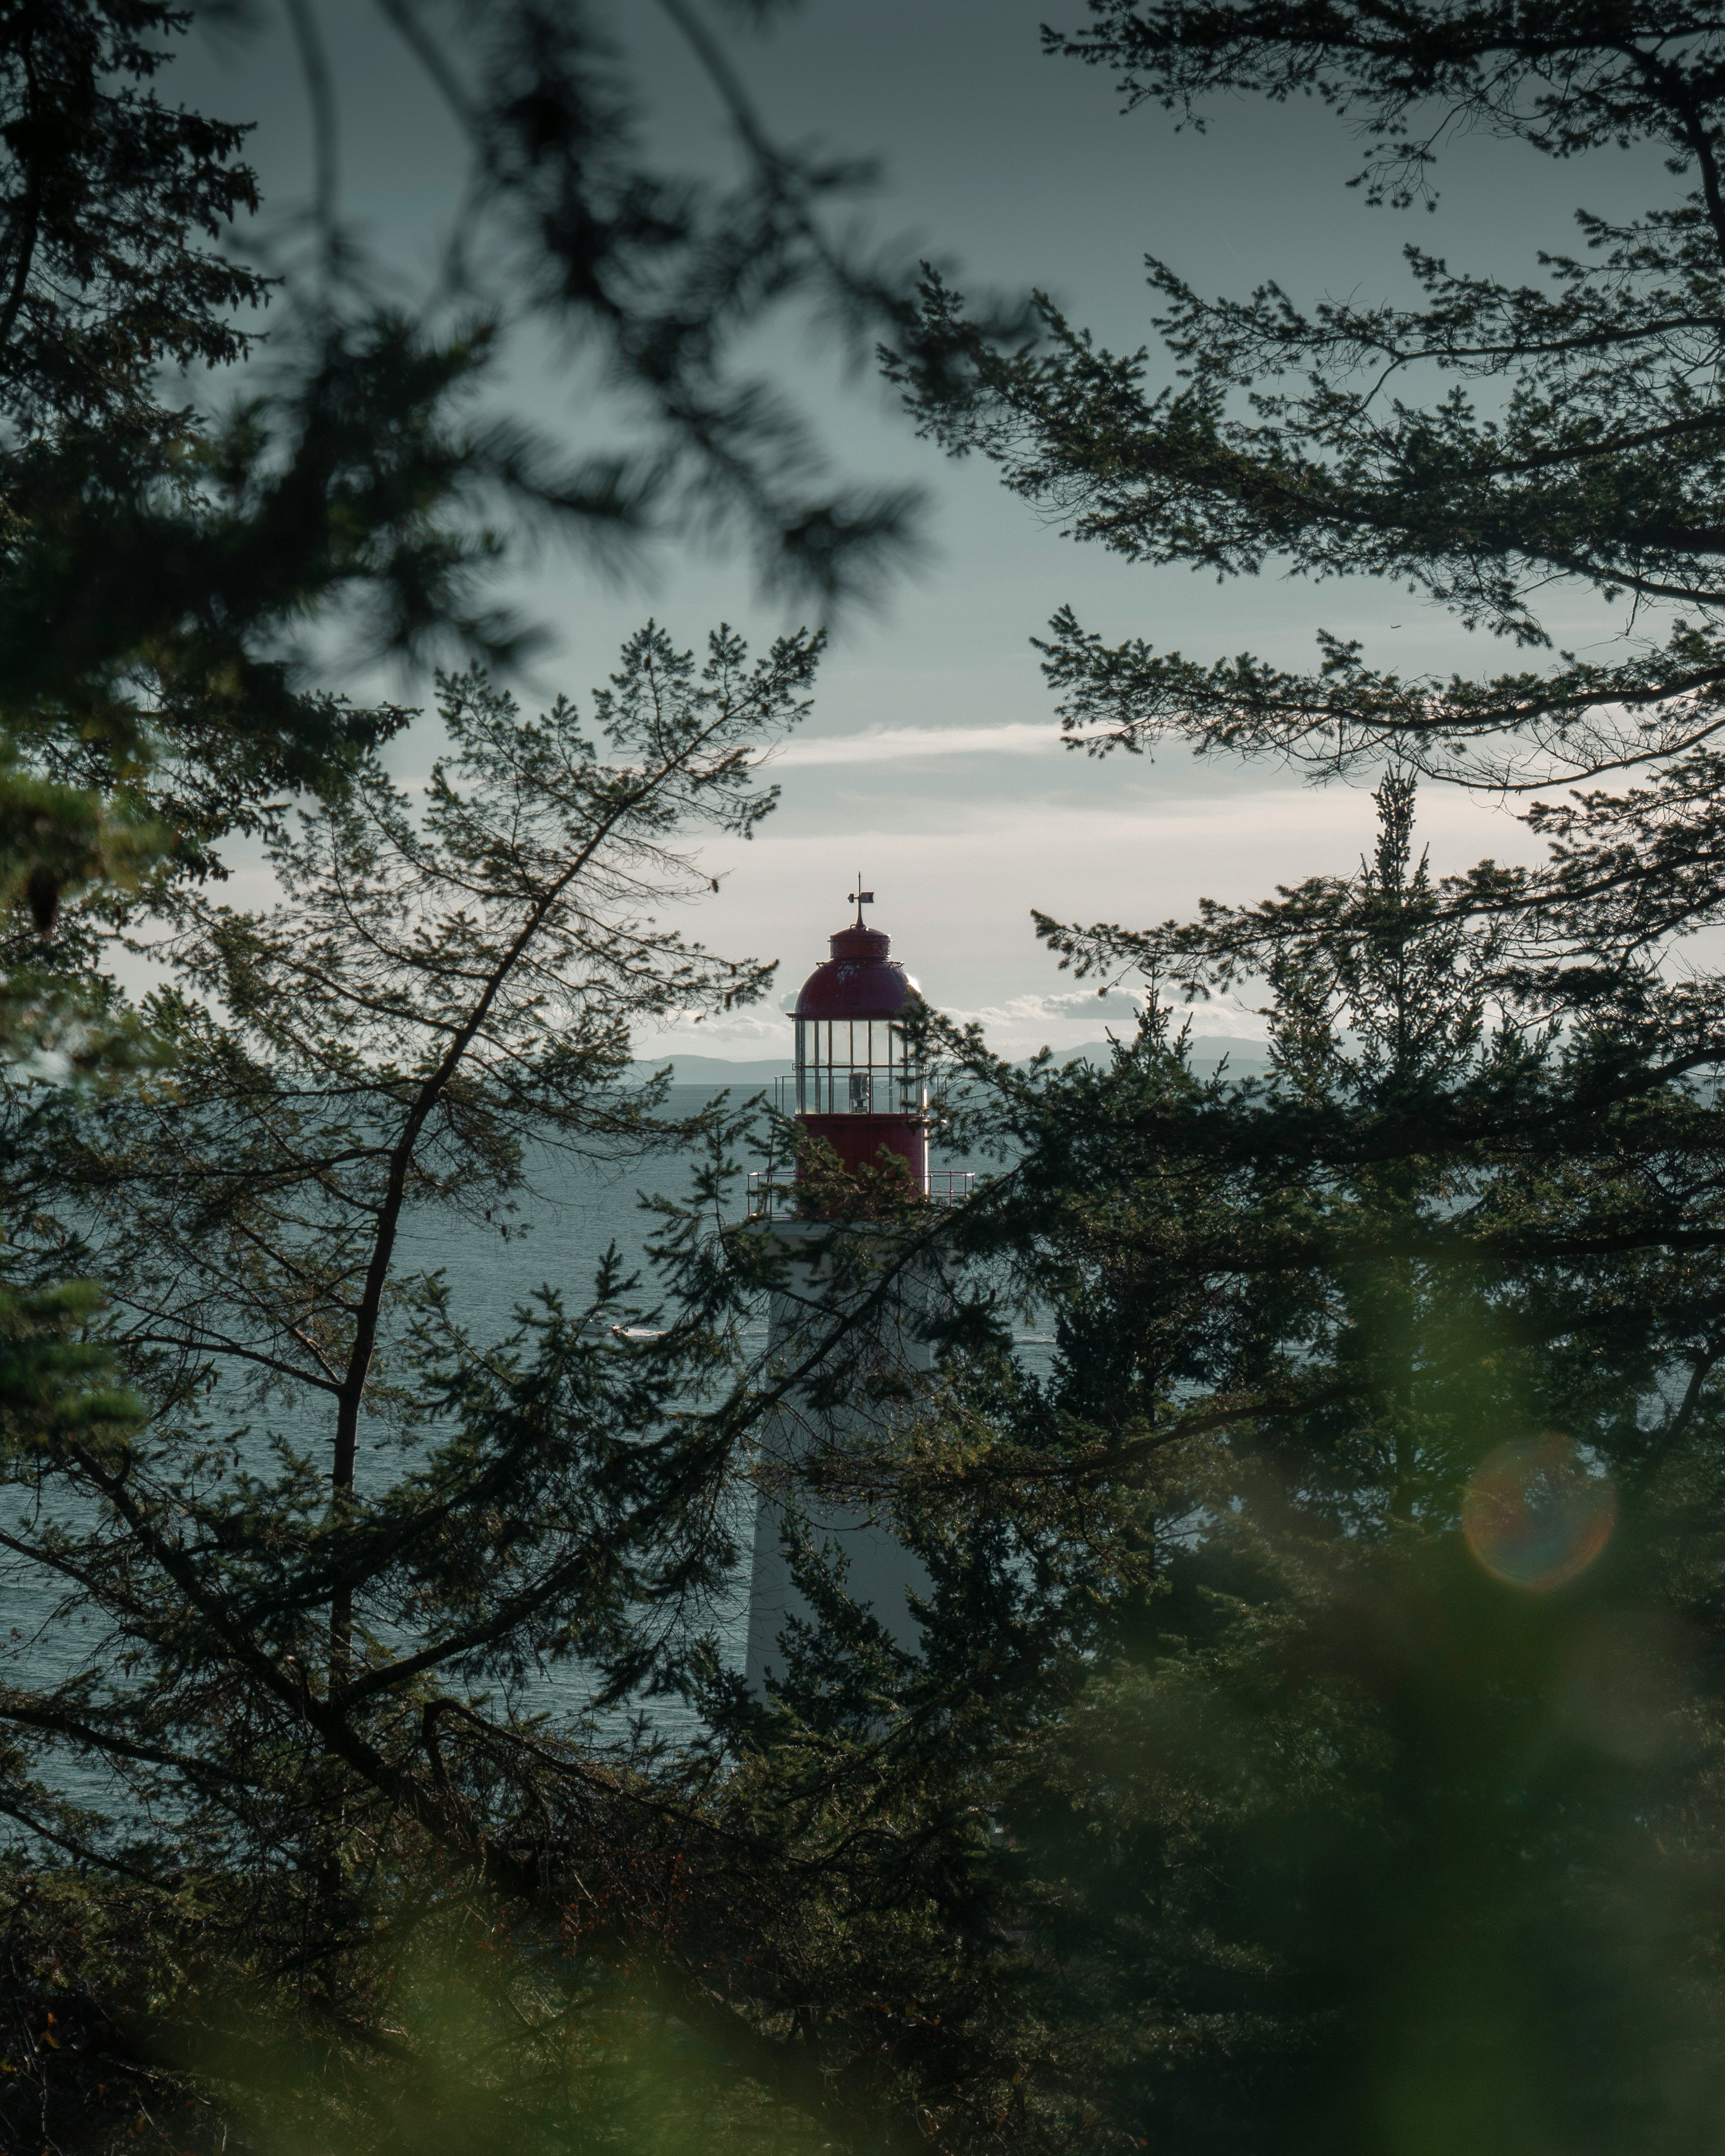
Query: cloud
point(904, 744)
point(1021, 1025)
point(1018, 1025)
point(754, 1032)
point(1085, 1002)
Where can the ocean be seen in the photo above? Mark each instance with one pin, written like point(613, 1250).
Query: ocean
point(567, 1216)
point(569, 1213)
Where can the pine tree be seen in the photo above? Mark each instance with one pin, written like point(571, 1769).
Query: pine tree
point(187, 588)
point(1382, 1812)
point(1315, 1738)
point(1479, 446)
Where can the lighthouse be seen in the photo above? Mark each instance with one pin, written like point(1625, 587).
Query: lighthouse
point(860, 1085)
point(861, 1117)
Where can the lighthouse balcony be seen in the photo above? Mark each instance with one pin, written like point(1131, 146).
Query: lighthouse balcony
point(772, 1196)
point(860, 1092)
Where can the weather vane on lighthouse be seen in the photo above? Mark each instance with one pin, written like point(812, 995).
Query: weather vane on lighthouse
point(859, 898)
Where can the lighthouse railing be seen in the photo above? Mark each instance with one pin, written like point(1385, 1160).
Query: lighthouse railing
point(771, 1197)
point(794, 1094)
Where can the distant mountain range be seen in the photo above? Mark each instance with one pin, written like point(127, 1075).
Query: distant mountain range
point(1207, 1052)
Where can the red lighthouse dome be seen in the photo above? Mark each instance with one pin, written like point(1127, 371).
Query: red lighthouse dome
point(859, 980)
point(860, 1085)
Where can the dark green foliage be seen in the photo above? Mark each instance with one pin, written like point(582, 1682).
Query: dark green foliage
point(1474, 444)
point(659, 277)
point(161, 564)
point(312, 1575)
point(1347, 1841)
point(1234, 1804)
point(441, 994)
point(1276, 1774)
point(294, 1723)
point(110, 199)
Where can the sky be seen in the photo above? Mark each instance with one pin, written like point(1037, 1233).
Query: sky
point(932, 764)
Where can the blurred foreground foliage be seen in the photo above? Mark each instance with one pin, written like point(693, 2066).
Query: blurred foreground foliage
point(1316, 1734)
point(1315, 1739)
point(476, 2035)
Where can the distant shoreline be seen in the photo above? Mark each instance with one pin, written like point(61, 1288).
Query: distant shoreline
point(1206, 1051)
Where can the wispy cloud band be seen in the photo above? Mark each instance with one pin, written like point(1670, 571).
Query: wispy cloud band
point(903, 744)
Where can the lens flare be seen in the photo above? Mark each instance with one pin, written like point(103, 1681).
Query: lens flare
point(1535, 1514)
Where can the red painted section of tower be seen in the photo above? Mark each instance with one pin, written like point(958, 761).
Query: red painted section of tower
point(858, 1139)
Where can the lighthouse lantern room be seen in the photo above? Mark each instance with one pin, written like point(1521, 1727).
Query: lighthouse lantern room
point(859, 1084)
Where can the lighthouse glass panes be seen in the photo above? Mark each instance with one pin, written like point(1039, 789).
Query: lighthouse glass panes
point(857, 1067)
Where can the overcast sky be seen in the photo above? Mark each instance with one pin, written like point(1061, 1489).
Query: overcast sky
point(932, 761)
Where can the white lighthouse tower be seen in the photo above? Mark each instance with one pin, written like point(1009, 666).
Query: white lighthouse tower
point(861, 1092)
